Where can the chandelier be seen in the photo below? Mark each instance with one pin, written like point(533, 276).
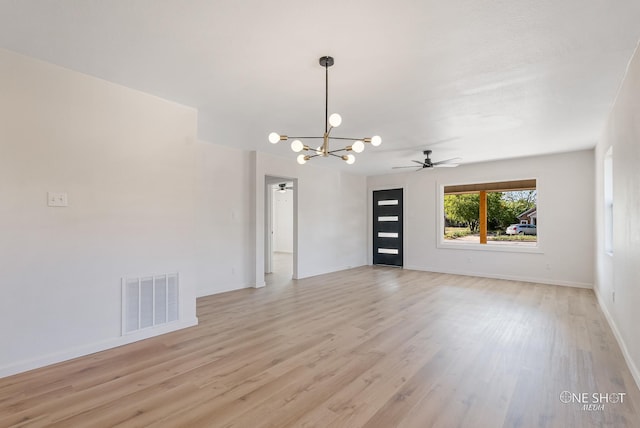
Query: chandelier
point(330, 122)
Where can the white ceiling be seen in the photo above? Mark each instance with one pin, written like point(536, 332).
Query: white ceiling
point(480, 80)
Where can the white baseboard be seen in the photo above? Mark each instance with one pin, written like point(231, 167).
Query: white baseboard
point(507, 277)
point(616, 333)
point(333, 269)
point(224, 289)
point(84, 350)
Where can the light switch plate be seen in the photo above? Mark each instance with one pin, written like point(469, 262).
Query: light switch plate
point(57, 199)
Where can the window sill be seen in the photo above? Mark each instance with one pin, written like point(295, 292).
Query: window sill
point(490, 247)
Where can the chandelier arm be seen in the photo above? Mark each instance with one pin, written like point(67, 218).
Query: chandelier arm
point(307, 138)
point(344, 149)
point(346, 138)
point(333, 154)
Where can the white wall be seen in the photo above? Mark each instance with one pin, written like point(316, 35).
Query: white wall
point(331, 205)
point(144, 197)
point(620, 273)
point(565, 218)
point(282, 221)
point(223, 219)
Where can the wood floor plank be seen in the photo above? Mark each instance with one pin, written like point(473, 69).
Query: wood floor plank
point(367, 347)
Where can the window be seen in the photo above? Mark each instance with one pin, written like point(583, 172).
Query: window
point(495, 214)
point(608, 201)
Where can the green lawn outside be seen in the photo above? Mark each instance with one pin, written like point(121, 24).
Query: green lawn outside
point(494, 235)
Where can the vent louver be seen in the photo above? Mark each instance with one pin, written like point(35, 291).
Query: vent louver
point(149, 301)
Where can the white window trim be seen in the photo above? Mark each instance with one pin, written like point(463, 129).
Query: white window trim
point(607, 193)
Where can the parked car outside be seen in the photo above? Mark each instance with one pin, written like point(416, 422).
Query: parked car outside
point(522, 229)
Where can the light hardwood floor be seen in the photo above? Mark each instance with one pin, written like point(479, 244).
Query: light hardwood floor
point(282, 269)
point(368, 347)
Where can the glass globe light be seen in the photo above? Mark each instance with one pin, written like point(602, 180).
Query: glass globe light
point(301, 159)
point(297, 146)
point(319, 150)
point(335, 120)
point(274, 137)
point(376, 140)
point(351, 159)
point(357, 146)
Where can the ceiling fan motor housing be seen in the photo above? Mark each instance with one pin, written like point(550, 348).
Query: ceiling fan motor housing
point(427, 161)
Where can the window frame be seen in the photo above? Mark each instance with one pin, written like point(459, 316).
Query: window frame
point(441, 243)
point(607, 193)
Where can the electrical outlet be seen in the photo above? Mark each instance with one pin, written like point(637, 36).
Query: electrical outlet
point(57, 199)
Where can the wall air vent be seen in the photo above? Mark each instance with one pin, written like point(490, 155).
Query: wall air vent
point(149, 301)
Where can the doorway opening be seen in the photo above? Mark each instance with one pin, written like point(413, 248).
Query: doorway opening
point(280, 230)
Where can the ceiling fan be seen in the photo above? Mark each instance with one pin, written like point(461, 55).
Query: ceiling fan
point(449, 163)
point(282, 187)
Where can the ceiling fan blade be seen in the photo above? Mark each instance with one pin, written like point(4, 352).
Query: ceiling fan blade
point(448, 161)
point(398, 167)
point(420, 162)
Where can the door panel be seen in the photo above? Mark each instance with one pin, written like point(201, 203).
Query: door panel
point(387, 227)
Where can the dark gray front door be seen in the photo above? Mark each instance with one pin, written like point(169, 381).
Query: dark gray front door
point(387, 227)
